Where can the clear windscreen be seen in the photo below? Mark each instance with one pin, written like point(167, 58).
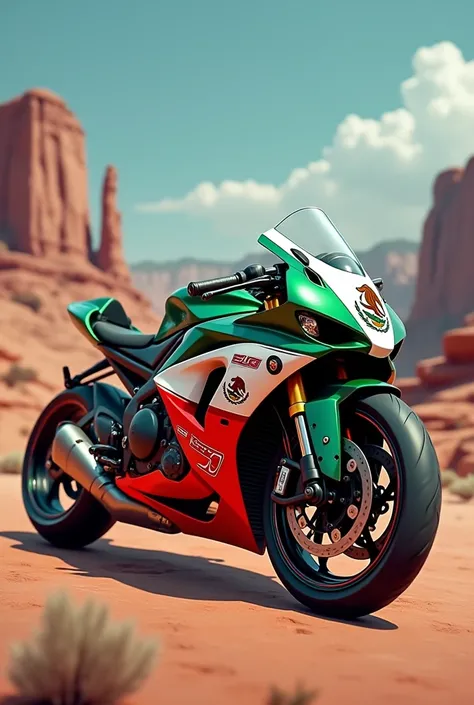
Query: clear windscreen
point(311, 229)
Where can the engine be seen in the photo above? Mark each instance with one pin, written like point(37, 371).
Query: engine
point(153, 444)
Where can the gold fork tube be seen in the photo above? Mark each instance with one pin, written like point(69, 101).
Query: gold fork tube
point(296, 392)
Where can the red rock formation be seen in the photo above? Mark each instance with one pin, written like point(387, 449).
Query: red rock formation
point(44, 220)
point(445, 286)
point(110, 255)
point(44, 208)
point(443, 396)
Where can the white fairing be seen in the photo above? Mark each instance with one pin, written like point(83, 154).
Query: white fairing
point(344, 285)
point(248, 380)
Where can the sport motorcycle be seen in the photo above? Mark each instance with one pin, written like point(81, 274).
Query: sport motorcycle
point(262, 414)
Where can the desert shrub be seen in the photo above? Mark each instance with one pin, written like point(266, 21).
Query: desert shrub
point(79, 655)
point(18, 374)
point(463, 487)
point(299, 697)
point(448, 477)
point(27, 298)
point(11, 463)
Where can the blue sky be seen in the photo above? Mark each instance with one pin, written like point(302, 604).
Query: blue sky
point(176, 93)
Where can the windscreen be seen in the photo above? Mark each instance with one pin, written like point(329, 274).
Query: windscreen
point(311, 229)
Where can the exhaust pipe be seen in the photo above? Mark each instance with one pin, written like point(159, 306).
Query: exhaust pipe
point(70, 452)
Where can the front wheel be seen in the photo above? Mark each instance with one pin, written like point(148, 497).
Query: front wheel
point(358, 554)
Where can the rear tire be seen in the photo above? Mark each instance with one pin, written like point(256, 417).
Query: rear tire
point(86, 520)
point(414, 526)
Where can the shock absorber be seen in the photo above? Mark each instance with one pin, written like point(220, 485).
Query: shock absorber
point(309, 471)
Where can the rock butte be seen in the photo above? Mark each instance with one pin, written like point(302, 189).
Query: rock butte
point(445, 285)
point(46, 250)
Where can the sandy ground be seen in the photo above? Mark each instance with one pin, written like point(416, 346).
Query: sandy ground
point(229, 630)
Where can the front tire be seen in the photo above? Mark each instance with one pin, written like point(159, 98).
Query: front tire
point(404, 547)
point(61, 511)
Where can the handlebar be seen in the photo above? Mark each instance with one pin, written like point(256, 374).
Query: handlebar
point(246, 275)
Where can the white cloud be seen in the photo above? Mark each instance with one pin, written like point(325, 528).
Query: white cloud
point(375, 179)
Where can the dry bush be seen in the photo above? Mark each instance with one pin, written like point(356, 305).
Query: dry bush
point(18, 374)
point(27, 298)
point(11, 463)
point(79, 656)
point(299, 697)
point(463, 487)
point(448, 477)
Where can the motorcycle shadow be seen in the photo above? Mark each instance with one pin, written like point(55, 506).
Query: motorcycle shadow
point(176, 575)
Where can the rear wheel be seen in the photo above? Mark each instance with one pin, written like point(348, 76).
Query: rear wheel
point(61, 511)
point(356, 555)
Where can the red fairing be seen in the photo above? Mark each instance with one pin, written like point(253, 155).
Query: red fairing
point(212, 455)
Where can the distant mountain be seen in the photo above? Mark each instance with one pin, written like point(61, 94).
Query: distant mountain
point(396, 262)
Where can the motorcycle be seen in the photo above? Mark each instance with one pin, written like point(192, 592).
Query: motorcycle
point(263, 414)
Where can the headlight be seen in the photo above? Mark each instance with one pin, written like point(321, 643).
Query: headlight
point(309, 324)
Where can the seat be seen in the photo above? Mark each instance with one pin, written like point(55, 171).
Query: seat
point(118, 336)
point(113, 327)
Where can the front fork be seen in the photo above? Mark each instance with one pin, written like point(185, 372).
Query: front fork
point(313, 487)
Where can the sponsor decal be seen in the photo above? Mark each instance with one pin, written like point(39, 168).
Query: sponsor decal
point(235, 391)
point(371, 310)
point(182, 431)
point(282, 480)
point(213, 458)
point(246, 361)
point(274, 365)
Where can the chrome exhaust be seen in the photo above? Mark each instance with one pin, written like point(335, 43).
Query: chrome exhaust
point(70, 452)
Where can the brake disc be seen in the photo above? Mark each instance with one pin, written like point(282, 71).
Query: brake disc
point(340, 543)
point(386, 461)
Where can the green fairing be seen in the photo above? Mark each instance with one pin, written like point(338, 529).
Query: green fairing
point(183, 311)
point(242, 329)
point(239, 317)
point(305, 295)
point(323, 417)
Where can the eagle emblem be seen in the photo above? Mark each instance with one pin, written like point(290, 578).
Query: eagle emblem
point(235, 391)
point(370, 308)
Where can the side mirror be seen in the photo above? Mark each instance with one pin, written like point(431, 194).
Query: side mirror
point(378, 283)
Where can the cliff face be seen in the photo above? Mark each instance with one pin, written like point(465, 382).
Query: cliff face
point(395, 262)
point(46, 259)
point(43, 177)
point(445, 284)
point(445, 287)
point(44, 207)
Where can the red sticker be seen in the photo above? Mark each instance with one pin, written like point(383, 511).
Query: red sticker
point(246, 361)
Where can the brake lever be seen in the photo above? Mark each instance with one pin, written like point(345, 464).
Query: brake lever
point(235, 287)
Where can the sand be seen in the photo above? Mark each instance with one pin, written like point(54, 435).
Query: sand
point(229, 630)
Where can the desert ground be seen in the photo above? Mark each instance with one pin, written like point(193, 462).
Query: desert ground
point(228, 629)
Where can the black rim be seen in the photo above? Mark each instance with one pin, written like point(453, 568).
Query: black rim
point(49, 493)
point(361, 559)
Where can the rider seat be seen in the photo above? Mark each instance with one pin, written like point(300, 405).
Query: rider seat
point(113, 327)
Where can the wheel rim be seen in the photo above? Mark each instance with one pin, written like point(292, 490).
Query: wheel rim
point(49, 493)
point(361, 558)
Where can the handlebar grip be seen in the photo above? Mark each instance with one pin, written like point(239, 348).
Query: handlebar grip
point(198, 288)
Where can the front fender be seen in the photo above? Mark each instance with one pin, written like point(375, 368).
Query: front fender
point(324, 421)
